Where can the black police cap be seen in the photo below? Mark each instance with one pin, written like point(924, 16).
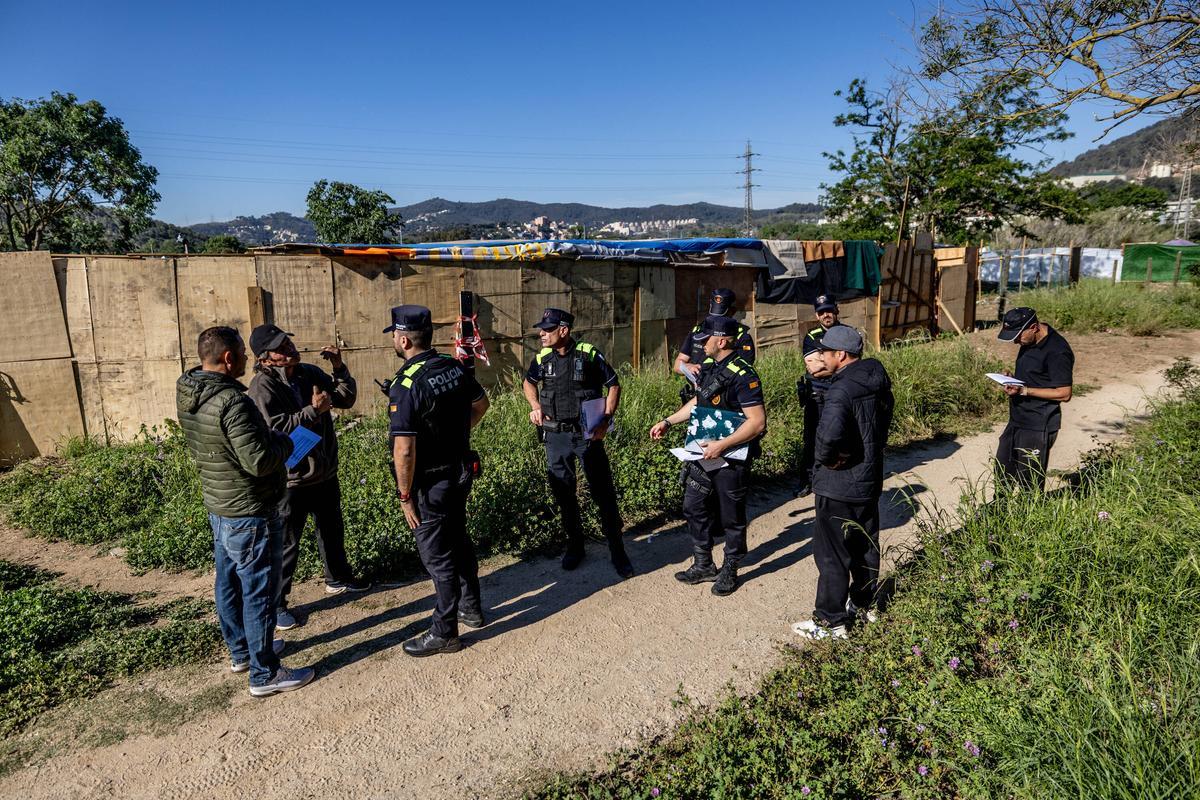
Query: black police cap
point(722, 302)
point(410, 318)
point(555, 317)
point(716, 325)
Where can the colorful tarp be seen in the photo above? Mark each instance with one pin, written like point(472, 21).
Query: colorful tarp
point(651, 250)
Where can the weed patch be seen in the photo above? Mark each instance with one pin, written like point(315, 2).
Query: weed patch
point(59, 643)
point(1098, 305)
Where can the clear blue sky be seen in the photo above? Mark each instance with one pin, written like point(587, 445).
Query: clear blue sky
point(242, 106)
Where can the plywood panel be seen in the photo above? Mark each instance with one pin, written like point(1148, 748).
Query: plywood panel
point(137, 393)
point(133, 308)
point(39, 407)
point(368, 365)
point(546, 277)
point(624, 275)
point(658, 292)
point(435, 286)
point(72, 274)
point(211, 290)
point(91, 400)
point(593, 309)
point(497, 300)
point(654, 348)
point(586, 275)
point(300, 297)
point(364, 292)
point(32, 326)
point(602, 339)
point(622, 305)
point(509, 360)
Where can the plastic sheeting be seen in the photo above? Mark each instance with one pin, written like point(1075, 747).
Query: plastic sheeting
point(1043, 262)
point(646, 250)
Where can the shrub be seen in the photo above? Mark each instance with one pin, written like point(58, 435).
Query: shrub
point(1098, 305)
point(145, 494)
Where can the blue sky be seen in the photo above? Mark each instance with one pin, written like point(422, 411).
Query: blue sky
point(242, 106)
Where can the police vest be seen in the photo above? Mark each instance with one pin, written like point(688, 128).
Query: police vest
point(562, 391)
point(719, 380)
point(446, 374)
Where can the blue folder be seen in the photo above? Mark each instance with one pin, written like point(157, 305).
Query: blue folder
point(304, 441)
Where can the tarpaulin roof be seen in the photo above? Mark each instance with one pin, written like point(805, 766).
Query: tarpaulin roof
point(641, 250)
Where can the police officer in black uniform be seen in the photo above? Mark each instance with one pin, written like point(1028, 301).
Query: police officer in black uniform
point(691, 352)
point(714, 501)
point(433, 403)
point(811, 387)
point(561, 378)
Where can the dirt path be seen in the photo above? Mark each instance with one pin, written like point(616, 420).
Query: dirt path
point(573, 665)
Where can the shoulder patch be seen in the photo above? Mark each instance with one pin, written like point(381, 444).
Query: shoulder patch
point(753, 384)
point(392, 408)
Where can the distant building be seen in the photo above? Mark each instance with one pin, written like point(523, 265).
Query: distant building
point(1159, 170)
point(1094, 177)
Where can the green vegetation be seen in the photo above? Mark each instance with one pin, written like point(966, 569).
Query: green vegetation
point(1044, 649)
point(59, 643)
point(145, 496)
point(1098, 305)
point(347, 214)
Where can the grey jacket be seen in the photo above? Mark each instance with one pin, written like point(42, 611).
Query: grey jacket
point(287, 405)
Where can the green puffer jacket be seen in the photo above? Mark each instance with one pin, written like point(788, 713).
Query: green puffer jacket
point(241, 460)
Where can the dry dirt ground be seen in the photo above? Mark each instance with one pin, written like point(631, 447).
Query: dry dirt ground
point(572, 666)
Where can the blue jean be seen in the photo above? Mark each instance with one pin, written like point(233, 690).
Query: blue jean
point(248, 553)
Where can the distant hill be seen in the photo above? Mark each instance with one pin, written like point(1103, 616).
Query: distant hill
point(506, 218)
point(1128, 153)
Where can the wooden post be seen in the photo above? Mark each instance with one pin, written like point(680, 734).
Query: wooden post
point(903, 211)
point(1075, 264)
point(1149, 270)
point(1178, 266)
point(1004, 266)
point(636, 356)
point(258, 306)
point(1021, 268)
point(1114, 271)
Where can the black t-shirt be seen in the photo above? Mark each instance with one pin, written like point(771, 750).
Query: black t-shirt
point(431, 399)
point(743, 346)
point(1049, 364)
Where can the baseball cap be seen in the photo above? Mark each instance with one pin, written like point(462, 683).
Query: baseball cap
point(1015, 321)
point(266, 337)
point(825, 303)
point(555, 317)
point(410, 318)
point(844, 338)
point(722, 302)
point(716, 325)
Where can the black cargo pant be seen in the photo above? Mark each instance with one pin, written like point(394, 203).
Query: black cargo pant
point(445, 548)
point(563, 448)
point(846, 549)
point(323, 502)
point(714, 504)
point(1023, 455)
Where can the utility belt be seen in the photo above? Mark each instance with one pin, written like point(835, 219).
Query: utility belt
point(693, 476)
point(466, 472)
point(555, 426)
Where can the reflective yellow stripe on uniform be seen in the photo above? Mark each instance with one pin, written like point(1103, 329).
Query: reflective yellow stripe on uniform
point(408, 373)
point(544, 353)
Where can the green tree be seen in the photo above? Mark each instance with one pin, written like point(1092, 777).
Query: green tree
point(347, 214)
point(951, 175)
point(223, 243)
point(1120, 194)
point(62, 165)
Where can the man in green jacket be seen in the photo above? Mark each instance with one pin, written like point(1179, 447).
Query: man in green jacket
point(242, 478)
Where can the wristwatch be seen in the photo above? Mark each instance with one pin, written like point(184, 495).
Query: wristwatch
point(667, 422)
point(404, 496)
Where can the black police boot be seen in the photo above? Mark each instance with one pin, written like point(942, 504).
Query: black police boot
point(727, 580)
point(620, 561)
point(471, 617)
point(701, 570)
point(429, 645)
point(573, 557)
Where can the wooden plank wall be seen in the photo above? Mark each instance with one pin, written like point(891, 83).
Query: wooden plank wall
point(907, 303)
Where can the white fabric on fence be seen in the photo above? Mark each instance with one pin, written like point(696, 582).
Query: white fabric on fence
point(1044, 263)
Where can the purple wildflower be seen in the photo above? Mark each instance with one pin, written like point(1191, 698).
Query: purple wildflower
point(916, 651)
point(971, 748)
point(986, 565)
point(1103, 516)
point(954, 662)
point(882, 731)
point(1013, 624)
point(655, 792)
point(362, 481)
point(920, 728)
point(922, 770)
point(804, 790)
point(895, 683)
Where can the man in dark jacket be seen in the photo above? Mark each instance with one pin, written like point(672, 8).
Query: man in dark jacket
point(848, 482)
point(811, 388)
point(291, 395)
point(242, 477)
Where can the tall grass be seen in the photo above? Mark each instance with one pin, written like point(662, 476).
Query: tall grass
point(1098, 305)
point(145, 495)
point(1046, 647)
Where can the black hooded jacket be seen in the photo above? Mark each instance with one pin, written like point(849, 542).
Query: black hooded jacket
point(852, 432)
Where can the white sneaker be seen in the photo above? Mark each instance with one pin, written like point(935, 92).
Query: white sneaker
point(244, 666)
point(285, 680)
point(869, 615)
point(811, 630)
